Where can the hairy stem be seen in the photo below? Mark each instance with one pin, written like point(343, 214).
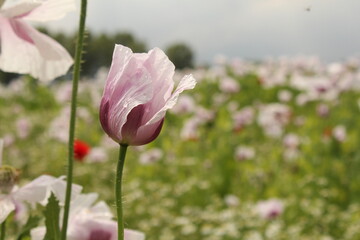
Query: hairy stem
point(76, 77)
point(118, 191)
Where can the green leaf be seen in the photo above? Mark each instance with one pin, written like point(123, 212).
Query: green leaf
point(52, 212)
point(31, 223)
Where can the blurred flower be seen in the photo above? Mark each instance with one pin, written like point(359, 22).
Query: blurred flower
point(151, 156)
point(229, 85)
point(322, 110)
point(291, 141)
point(190, 129)
point(244, 153)
point(339, 133)
point(23, 127)
point(90, 222)
point(243, 118)
point(137, 94)
point(269, 209)
point(231, 200)
point(8, 140)
point(97, 154)
point(27, 51)
point(37, 191)
point(273, 117)
point(184, 105)
point(284, 95)
point(81, 149)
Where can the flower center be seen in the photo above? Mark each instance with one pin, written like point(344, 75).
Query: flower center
point(100, 235)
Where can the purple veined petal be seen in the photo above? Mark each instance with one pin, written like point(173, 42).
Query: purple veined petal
point(121, 57)
point(6, 207)
point(50, 10)
point(38, 233)
point(147, 133)
point(132, 89)
point(25, 50)
point(18, 10)
point(162, 71)
point(187, 82)
point(133, 235)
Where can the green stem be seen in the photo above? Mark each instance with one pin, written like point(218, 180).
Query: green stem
point(3, 230)
point(119, 172)
point(76, 77)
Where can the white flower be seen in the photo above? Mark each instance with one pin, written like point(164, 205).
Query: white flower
point(88, 221)
point(24, 49)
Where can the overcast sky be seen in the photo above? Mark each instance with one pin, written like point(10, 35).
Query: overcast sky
point(249, 29)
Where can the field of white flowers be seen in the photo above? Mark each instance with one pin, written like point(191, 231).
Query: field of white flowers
point(266, 150)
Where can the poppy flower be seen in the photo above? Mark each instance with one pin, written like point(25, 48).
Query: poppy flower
point(137, 94)
point(25, 50)
point(81, 149)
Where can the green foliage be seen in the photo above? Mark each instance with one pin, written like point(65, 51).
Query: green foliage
point(181, 55)
point(31, 223)
point(52, 213)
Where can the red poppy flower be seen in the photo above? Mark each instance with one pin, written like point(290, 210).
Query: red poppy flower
point(81, 149)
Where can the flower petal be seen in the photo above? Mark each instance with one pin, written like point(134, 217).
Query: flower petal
point(49, 10)
point(6, 207)
point(81, 202)
point(38, 233)
point(26, 50)
point(128, 86)
point(20, 9)
point(162, 71)
point(133, 235)
point(187, 82)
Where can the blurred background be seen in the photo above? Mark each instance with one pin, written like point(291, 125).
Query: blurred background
point(265, 147)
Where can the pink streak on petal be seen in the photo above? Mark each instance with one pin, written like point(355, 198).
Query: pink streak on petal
point(25, 50)
point(187, 82)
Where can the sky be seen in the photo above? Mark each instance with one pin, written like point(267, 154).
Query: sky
point(247, 29)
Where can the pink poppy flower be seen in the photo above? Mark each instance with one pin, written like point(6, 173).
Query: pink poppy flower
point(269, 209)
point(24, 49)
point(89, 221)
point(137, 94)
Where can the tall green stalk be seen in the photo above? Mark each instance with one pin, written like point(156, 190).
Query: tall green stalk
point(75, 83)
point(3, 230)
point(118, 191)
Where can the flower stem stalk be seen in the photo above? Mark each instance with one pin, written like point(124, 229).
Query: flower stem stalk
point(118, 191)
point(75, 82)
point(3, 230)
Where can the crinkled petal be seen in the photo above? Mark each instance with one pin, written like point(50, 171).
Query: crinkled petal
point(162, 71)
point(81, 202)
point(127, 87)
point(26, 50)
point(121, 57)
point(39, 190)
point(38, 233)
point(6, 207)
point(58, 187)
point(133, 235)
point(19, 10)
point(35, 191)
point(51, 10)
point(187, 82)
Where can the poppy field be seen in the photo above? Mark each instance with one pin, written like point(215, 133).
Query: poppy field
point(257, 150)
